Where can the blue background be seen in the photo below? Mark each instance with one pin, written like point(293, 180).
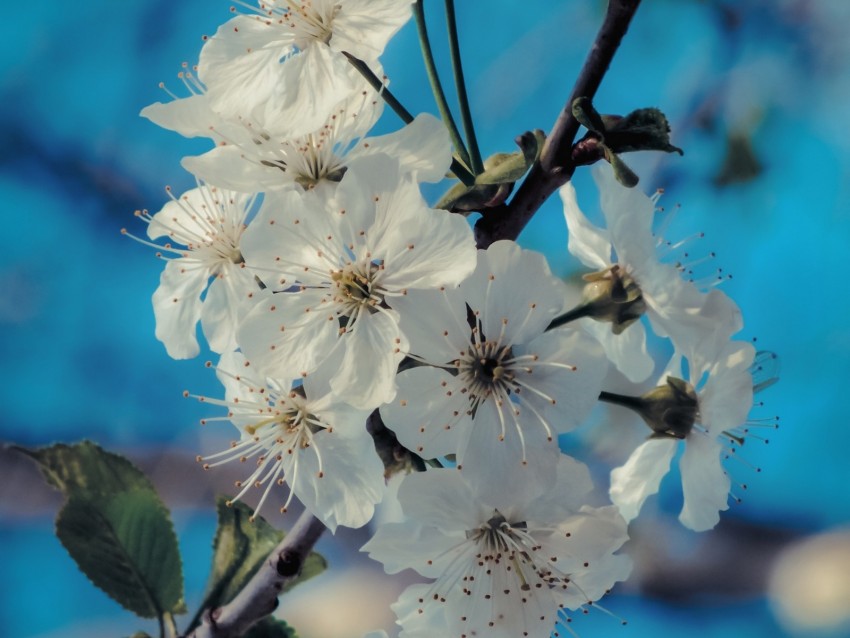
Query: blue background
point(77, 351)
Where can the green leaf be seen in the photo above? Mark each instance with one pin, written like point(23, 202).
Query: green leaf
point(85, 468)
point(125, 544)
point(270, 627)
point(641, 130)
point(239, 549)
point(115, 526)
point(622, 172)
point(587, 115)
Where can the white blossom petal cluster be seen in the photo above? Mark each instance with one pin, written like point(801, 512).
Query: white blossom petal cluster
point(363, 334)
point(624, 256)
point(503, 571)
point(498, 388)
point(723, 389)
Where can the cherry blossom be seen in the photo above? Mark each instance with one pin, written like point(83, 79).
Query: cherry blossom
point(284, 59)
point(630, 281)
point(498, 388)
point(512, 570)
point(301, 435)
point(334, 271)
point(702, 414)
point(205, 278)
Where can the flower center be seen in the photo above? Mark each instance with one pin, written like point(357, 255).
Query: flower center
point(310, 25)
point(356, 287)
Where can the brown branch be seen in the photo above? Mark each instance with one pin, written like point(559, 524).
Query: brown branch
point(259, 596)
point(556, 165)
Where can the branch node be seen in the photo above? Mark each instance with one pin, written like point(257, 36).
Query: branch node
point(288, 564)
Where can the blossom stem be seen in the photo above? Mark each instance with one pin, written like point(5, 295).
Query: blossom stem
point(259, 596)
point(460, 171)
point(168, 628)
point(584, 310)
point(460, 87)
point(633, 403)
point(436, 85)
point(556, 167)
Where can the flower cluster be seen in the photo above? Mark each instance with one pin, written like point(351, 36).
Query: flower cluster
point(336, 295)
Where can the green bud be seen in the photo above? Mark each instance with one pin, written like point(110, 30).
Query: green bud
point(587, 116)
point(626, 176)
point(501, 172)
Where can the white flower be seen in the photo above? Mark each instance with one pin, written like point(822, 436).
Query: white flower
point(722, 402)
point(304, 436)
point(288, 57)
point(252, 155)
point(625, 257)
point(206, 226)
point(339, 268)
point(498, 388)
point(507, 571)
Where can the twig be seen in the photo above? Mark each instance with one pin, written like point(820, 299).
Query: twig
point(556, 166)
point(259, 596)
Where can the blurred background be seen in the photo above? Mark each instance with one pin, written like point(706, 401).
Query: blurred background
point(757, 93)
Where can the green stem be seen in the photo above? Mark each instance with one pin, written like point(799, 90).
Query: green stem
point(436, 86)
point(460, 171)
point(633, 403)
point(460, 87)
point(584, 310)
point(167, 626)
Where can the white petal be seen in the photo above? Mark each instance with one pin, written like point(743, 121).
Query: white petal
point(627, 350)
point(628, 215)
point(428, 622)
point(727, 396)
point(177, 306)
point(502, 467)
point(704, 483)
point(442, 499)
point(428, 413)
point(567, 495)
point(342, 480)
point(561, 396)
point(514, 292)
point(284, 340)
point(421, 247)
point(220, 311)
point(240, 64)
point(190, 116)
point(363, 27)
point(373, 349)
point(307, 88)
point(640, 477)
point(434, 322)
point(228, 167)
point(422, 148)
point(586, 242)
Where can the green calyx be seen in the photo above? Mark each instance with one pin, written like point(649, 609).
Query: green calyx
point(670, 410)
point(613, 296)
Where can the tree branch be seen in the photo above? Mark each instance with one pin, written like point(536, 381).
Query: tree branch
point(556, 166)
point(259, 597)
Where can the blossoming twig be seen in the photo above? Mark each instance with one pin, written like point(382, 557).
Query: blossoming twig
point(556, 167)
point(259, 597)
